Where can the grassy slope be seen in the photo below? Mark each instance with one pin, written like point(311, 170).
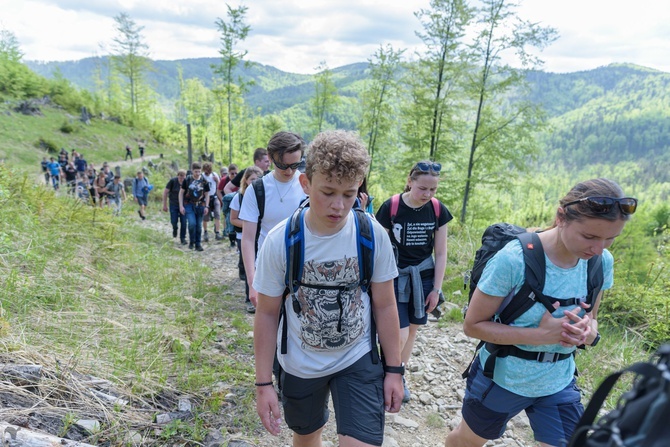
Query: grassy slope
point(99, 141)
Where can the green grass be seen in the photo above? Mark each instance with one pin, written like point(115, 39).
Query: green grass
point(100, 141)
point(106, 297)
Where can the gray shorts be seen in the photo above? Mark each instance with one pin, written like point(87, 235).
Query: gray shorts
point(358, 400)
point(142, 200)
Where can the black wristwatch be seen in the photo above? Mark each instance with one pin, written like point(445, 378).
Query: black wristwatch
point(395, 369)
point(596, 340)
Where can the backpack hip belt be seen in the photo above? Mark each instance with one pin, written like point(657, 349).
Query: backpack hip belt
point(502, 351)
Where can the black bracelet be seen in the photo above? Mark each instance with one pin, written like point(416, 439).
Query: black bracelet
point(263, 383)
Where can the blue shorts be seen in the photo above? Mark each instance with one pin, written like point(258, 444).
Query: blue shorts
point(142, 200)
point(358, 400)
point(406, 313)
point(487, 408)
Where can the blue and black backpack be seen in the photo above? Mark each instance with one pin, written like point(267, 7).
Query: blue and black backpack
point(295, 258)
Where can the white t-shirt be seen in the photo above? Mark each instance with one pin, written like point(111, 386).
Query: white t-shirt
point(213, 180)
point(235, 205)
point(315, 347)
point(277, 208)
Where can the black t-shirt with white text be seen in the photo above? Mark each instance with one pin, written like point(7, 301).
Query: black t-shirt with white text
point(413, 231)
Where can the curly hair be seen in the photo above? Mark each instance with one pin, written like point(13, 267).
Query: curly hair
point(339, 154)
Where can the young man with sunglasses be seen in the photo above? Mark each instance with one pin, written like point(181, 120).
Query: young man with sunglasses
point(537, 374)
point(283, 194)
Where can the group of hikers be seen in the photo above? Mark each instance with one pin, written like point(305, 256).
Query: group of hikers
point(329, 280)
point(99, 187)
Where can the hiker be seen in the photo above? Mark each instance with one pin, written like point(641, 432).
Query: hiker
point(129, 153)
point(141, 193)
point(54, 172)
point(214, 203)
point(116, 194)
point(250, 174)
point(282, 195)
point(261, 160)
point(140, 148)
point(99, 185)
point(331, 347)
point(45, 169)
point(70, 173)
point(171, 192)
point(81, 164)
point(587, 221)
point(193, 203)
point(83, 189)
point(417, 226)
point(228, 230)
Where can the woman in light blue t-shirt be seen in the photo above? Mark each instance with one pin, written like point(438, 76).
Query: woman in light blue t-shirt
point(587, 221)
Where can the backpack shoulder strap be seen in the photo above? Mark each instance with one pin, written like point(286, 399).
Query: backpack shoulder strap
point(294, 240)
point(436, 208)
point(395, 202)
point(365, 242)
point(534, 274)
point(259, 191)
point(596, 279)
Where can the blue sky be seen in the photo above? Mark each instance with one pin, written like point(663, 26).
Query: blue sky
point(296, 35)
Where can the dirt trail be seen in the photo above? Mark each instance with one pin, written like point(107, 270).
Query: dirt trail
point(441, 353)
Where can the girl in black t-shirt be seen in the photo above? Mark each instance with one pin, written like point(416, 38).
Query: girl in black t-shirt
point(417, 230)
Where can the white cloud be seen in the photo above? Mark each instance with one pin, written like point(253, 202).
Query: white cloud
point(295, 35)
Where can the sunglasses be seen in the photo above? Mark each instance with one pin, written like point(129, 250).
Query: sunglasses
point(283, 167)
point(425, 167)
point(603, 205)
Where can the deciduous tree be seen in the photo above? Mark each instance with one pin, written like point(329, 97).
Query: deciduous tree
point(325, 95)
point(502, 134)
point(233, 31)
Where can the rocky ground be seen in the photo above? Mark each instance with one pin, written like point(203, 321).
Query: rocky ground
point(441, 353)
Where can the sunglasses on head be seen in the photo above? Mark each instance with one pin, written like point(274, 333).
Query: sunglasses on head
point(603, 205)
point(284, 167)
point(425, 167)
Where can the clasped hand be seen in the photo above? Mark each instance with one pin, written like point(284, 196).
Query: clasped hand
point(569, 330)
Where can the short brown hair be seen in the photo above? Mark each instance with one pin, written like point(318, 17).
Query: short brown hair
point(196, 165)
point(285, 143)
point(338, 153)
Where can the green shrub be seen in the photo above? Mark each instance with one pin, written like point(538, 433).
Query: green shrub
point(66, 127)
point(47, 145)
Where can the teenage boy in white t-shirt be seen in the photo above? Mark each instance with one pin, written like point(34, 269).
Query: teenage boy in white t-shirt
point(329, 337)
point(283, 195)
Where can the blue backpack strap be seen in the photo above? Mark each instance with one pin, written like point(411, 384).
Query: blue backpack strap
point(294, 240)
point(365, 244)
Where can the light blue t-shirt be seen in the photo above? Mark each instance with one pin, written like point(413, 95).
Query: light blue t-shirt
point(505, 272)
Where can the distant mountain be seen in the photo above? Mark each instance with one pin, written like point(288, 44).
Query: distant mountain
point(620, 112)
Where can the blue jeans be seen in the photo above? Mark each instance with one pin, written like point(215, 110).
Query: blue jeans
point(177, 218)
point(194, 215)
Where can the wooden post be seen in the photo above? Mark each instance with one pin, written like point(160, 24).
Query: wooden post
point(190, 147)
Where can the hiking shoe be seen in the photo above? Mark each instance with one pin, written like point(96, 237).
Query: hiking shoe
point(199, 248)
point(191, 246)
point(205, 237)
point(218, 237)
point(250, 308)
point(183, 242)
point(174, 232)
point(140, 213)
point(233, 244)
point(407, 395)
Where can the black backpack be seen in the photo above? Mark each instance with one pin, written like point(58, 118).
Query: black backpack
point(259, 192)
point(294, 238)
point(495, 238)
point(642, 415)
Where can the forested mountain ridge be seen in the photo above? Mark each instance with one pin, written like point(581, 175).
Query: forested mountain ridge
point(619, 112)
point(611, 114)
